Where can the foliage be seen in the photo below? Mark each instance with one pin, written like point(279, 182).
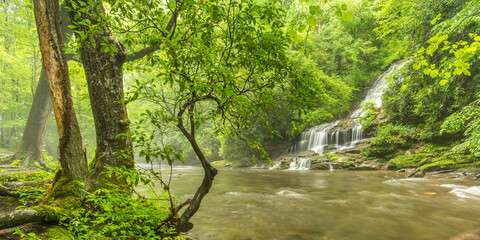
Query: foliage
point(369, 114)
point(19, 68)
point(434, 157)
point(391, 137)
point(28, 236)
point(113, 214)
point(465, 121)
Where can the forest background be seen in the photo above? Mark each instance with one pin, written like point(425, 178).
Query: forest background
point(336, 49)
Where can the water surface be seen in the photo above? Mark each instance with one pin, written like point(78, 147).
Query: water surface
point(273, 204)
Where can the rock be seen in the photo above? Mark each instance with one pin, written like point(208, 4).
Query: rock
point(325, 164)
point(417, 174)
point(468, 236)
point(319, 165)
point(368, 165)
point(308, 153)
point(284, 161)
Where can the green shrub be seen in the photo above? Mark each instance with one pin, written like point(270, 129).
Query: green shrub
point(111, 214)
point(391, 137)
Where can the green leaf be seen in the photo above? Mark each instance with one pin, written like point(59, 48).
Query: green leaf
point(443, 82)
point(197, 125)
point(312, 21)
point(347, 16)
point(314, 10)
point(344, 7)
point(436, 19)
point(427, 71)
point(403, 88)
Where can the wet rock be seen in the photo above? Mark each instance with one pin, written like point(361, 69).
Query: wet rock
point(417, 174)
point(475, 235)
point(308, 153)
point(368, 165)
point(284, 161)
point(319, 165)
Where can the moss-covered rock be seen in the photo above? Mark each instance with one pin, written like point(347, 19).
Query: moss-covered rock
point(56, 232)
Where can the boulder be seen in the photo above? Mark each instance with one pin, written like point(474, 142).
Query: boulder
point(308, 153)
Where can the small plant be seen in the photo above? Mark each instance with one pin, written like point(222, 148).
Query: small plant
point(27, 236)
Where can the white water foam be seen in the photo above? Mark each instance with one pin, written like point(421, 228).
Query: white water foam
point(464, 191)
point(300, 164)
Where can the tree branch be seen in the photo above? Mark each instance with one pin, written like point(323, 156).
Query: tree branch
point(142, 53)
point(170, 25)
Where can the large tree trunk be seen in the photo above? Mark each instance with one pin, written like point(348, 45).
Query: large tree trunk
point(73, 163)
point(105, 84)
point(30, 148)
point(31, 145)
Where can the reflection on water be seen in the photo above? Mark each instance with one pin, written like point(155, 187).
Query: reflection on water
point(263, 204)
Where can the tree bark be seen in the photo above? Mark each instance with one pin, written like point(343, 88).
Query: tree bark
point(105, 85)
point(30, 148)
point(31, 145)
point(209, 174)
point(73, 163)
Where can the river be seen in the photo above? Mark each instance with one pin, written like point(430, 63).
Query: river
point(272, 204)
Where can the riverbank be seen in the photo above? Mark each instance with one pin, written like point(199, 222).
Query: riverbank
point(441, 159)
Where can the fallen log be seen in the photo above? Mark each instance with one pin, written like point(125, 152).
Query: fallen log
point(19, 217)
point(7, 192)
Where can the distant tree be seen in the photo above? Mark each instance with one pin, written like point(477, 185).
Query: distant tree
point(29, 151)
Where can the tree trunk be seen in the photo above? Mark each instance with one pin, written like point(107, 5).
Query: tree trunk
point(105, 85)
point(31, 145)
point(73, 163)
point(209, 175)
point(30, 148)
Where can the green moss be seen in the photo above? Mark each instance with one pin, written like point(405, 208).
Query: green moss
point(434, 157)
point(348, 164)
point(92, 164)
point(56, 232)
point(331, 156)
point(49, 213)
point(65, 188)
point(402, 162)
point(228, 163)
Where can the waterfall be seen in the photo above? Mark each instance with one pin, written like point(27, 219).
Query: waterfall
point(300, 164)
point(323, 138)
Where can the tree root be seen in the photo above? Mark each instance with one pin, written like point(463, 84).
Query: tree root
point(7, 192)
point(19, 217)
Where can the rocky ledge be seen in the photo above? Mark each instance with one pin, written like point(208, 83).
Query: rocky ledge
point(337, 161)
point(418, 161)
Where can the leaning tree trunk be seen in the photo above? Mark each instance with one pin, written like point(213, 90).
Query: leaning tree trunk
point(73, 163)
point(209, 171)
point(30, 148)
point(105, 85)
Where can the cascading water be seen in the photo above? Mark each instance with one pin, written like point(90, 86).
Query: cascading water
point(323, 139)
point(300, 164)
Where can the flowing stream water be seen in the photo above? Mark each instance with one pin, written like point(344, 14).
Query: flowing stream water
point(322, 138)
point(314, 205)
